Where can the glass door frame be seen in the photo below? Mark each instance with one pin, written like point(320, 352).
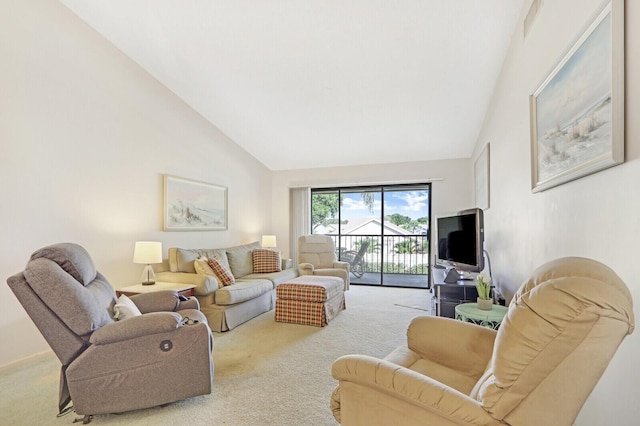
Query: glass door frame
point(415, 241)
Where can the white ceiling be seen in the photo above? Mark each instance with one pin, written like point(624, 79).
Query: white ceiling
point(320, 83)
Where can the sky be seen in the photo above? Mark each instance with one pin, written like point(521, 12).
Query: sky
point(414, 204)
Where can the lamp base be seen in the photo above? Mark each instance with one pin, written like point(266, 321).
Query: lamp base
point(148, 276)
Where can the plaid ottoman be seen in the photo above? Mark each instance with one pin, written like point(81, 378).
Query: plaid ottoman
point(310, 300)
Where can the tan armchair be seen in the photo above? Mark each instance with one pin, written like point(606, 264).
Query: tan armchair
point(317, 256)
point(563, 327)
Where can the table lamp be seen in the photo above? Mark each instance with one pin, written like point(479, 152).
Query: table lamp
point(268, 241)
point(147, 252)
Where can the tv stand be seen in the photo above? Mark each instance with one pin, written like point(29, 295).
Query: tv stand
point(452, 289)
point(448, 296)
point(453, 276)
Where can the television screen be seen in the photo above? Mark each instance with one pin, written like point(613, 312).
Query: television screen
point(460, 240)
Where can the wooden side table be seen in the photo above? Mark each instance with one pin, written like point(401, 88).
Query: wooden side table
point(491, 319)
point(182, 289)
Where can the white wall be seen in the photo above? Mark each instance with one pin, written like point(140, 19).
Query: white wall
point(596, 216)
point(86, 136)
point(452, 188)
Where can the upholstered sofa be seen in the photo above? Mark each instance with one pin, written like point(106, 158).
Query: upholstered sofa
point(226, 306)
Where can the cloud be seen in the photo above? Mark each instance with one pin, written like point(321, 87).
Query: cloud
point(414, 201)
point(358, 204)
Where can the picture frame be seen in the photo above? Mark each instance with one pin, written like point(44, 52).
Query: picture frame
point(482, 179)
point(191, 205)
point(577, 112)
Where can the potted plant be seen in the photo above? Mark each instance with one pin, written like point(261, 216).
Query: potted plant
point(483, 285)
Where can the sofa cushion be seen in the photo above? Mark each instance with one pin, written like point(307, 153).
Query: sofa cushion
point(181, 260)
point(242, 290)
point(240, 259)
point(266, 261)
point(275, 277)
point(224, 275)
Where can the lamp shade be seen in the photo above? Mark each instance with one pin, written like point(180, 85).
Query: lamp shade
point(268, 241)
point(147, 252)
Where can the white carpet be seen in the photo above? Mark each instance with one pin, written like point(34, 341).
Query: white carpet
point(266, 373)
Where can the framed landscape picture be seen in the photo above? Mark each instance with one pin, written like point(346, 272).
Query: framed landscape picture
point(191, 205)
point(577, 113)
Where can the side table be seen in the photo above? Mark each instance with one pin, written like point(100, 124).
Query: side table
point(491, 319)
point(182, 289)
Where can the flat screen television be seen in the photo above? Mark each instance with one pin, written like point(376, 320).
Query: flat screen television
point(461, 240)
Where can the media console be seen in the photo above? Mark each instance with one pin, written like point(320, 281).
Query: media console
point(450, 295)
point(447, 294)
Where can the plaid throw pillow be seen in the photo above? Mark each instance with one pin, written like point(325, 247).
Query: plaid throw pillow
point(222, 272)
point(201, 265)
point(266, 261)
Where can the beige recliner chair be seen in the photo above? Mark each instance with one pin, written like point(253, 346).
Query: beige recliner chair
point(111, 366)
point(317, 256)
point(562, 328)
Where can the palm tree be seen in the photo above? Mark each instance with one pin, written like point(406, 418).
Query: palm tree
point(373, 244)
point(408, 246)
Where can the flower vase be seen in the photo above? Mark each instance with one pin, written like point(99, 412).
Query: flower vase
point(485, 304)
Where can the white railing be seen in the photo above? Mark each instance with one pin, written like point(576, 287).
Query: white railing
point(401, 254)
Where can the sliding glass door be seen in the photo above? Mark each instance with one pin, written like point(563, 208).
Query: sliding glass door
point(382, 231)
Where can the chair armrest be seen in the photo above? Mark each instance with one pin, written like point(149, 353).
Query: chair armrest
point(157, 301)
point(459, 345)
point(341, 265)
point(348, 254)
point(190, 303)
point(204, 284)
point(405, 384)
point(332, 272)
point(131, 328)
point(335, 272)
point(305, 268)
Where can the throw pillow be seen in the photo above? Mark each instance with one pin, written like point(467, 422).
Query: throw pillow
point(202, 267)
point(266, 261)
point(125, 308)
point(225, 277)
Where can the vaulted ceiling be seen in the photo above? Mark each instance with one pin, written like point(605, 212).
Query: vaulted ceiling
point(321, 83)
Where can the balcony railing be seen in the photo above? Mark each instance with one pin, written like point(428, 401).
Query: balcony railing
point(389, 254)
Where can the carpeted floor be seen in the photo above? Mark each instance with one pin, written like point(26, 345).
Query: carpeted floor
point(266, 373)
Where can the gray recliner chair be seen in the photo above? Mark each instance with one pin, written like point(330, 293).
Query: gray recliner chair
point(110, 366)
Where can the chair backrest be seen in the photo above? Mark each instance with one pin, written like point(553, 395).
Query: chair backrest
point(65, 296)
point(319, 250)
point(562, 328)
point(361, 252)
